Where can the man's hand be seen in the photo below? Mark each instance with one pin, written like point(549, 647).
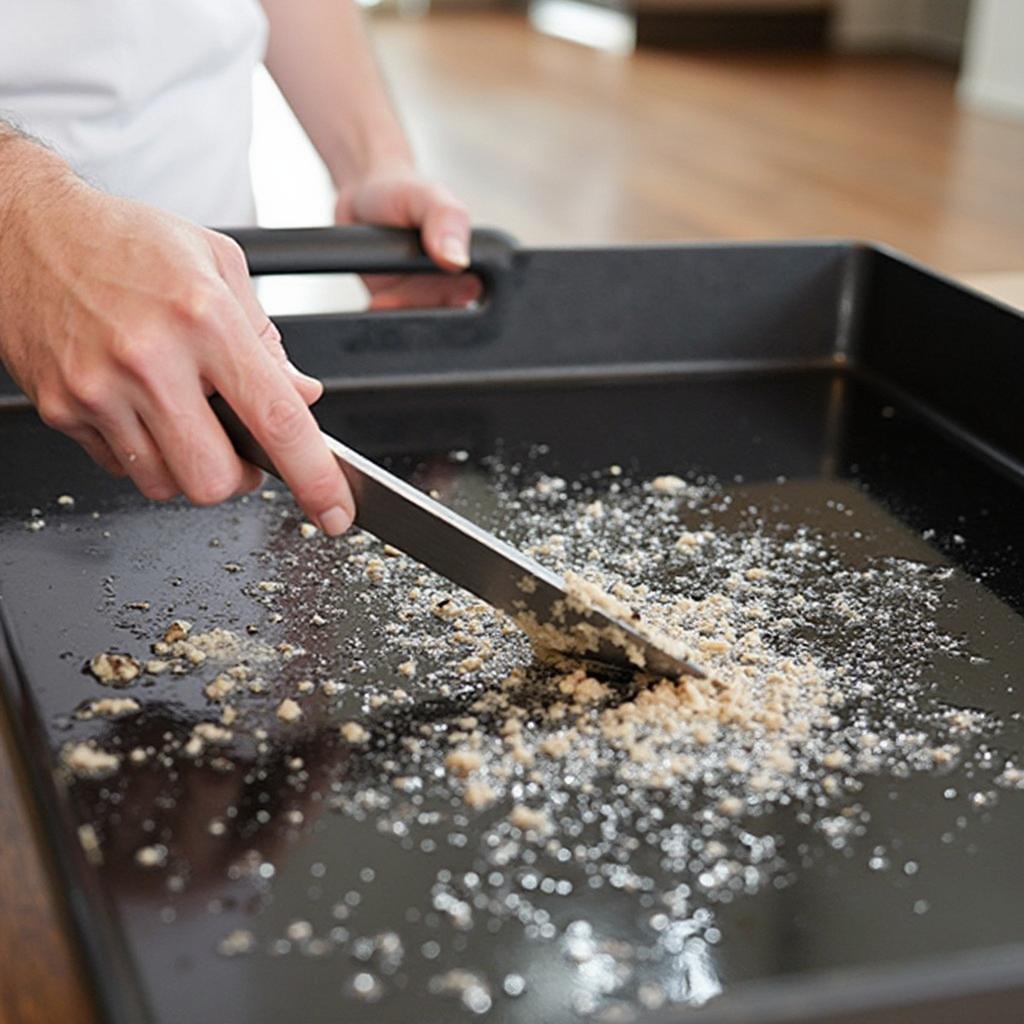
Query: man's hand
point(119, 321)
point(398, 196)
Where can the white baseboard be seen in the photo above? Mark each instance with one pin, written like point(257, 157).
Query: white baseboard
point(992, 98)
point(601, 28)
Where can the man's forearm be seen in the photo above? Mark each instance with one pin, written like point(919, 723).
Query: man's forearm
point(321, 58)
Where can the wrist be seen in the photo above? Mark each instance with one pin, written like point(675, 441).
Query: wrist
point(358, 156)
point(29, 173)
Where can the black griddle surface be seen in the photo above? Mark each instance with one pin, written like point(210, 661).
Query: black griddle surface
point(827, 434)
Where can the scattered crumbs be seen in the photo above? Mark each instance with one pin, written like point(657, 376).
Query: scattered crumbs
point(307, 530)
point(65, 501)
point(695, 770)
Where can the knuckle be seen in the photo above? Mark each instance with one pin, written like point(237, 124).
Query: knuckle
point(137, 354)
point(231, 254)
point(55, 411)
point(199, 302)
point(91, 391)
point(283, 422)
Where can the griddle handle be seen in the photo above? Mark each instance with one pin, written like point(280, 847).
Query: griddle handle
point(361, 249)
point(245, 444)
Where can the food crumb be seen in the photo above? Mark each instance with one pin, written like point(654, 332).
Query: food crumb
point(288, 711)
point(668, 484)
point(463, 762)
point(353, 732)
point(108, 707)
point(88, 760)
point(241, 940)
point(220, 687)
point(154, 856)
point(529, 819)
point(90, 844)
point(179, 629)
point(478, 795)
point(211, 732)
point(114, 669)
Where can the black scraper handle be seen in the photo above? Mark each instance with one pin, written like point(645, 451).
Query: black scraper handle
point(245, 444)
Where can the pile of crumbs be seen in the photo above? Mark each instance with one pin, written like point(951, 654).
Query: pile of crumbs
point(558, 783)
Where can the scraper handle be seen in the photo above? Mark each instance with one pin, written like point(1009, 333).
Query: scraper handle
point(245, 444)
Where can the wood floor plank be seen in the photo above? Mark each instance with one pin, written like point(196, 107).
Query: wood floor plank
point(561, 144)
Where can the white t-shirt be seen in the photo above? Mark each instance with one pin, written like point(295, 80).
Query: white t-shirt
point(150, 99)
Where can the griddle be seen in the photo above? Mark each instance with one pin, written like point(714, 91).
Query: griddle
point(841, 366)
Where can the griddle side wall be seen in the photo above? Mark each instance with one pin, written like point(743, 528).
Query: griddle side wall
point(646, 310)
point(956, 353)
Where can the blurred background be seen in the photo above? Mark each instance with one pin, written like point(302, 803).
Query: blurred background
point(601, 121)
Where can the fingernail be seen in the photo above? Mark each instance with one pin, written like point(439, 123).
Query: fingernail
point(453, 249)
point(335, 521)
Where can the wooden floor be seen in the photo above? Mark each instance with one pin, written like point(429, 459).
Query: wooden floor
point(561, 144)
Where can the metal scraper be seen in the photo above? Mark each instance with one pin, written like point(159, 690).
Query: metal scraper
point(403, 516)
